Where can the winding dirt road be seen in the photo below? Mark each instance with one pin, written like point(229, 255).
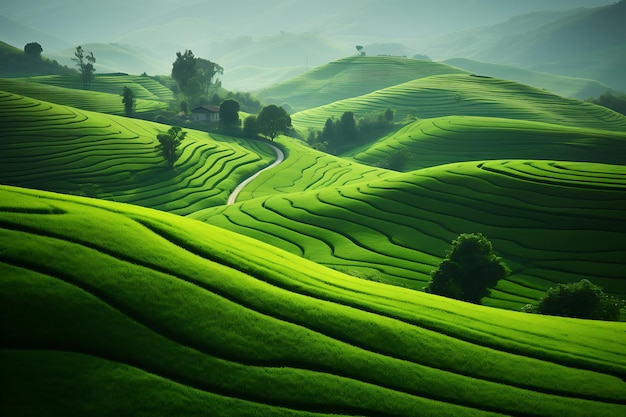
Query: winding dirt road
point(280, 157)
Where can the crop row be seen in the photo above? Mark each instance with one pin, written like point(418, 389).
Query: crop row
point(559, 221)
point(224, 319)
point(466, 95)
point(47, 146)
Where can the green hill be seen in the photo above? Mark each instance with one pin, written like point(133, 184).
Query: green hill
point(467, 95)
point(15, 63)
point(113, 309)
point(443, 140)
point(350, 77)
point(59, 148)
point(84, 99)
point(580, 88)
point(551, 221)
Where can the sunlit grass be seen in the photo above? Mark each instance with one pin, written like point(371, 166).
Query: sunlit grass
point(210, 317)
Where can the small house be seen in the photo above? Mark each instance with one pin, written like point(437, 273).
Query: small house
point(206, 113)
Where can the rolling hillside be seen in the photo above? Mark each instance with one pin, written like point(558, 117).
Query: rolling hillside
point(350, 77)
point(467, 95)
point(551, 222)
point(444, 140)
point(143, 312)
point(59, 148)
point(84, 99)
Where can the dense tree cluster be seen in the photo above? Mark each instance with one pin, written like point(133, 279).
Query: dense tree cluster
point(615, 102)
point(469, 269)
point(581, 299)
point(194, 76)
point(341, 135)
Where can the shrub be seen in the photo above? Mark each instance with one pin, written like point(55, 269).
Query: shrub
point(581, 299)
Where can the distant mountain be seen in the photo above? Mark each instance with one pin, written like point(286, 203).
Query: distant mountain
point(19, 34)
point(587, 43)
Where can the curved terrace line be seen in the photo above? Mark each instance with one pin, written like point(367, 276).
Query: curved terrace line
point(280, 157)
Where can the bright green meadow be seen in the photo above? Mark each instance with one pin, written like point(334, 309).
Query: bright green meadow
point(129, 287)
point(179, 317)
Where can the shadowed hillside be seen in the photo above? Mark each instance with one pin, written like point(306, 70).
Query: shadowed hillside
point(172, 316)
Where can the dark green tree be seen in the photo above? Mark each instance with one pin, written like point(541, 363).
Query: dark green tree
point(33, 49)
point(183, 70)
point(169, 142)
point(581, 299)
point(389, 115)
point(229, 112)
point(84, 61)
point(128, 99)
point(273, 120)
point(250, 129)
point(349, 131)
point(469, 269)
point(205, 72)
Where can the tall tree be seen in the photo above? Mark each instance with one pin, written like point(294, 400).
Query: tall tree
point(272, 120)
point(128, 99)
point(469, 269)
point(169, 143)
point(84, 61)
point(205, 72)
point(183, 70)
point(229, 112)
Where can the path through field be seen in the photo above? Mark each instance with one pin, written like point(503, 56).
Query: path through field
point(280, 157)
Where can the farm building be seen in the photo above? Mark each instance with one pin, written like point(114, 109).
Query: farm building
point(206, 113)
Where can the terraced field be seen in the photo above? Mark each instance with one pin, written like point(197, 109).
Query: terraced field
point(114, 309)
point(110, 103)
point(350, 77)
point(443, 140)
point(467, 95)
point(551, 222)
point(59, 148)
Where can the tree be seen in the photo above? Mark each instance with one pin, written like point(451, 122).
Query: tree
point(128, 99)
point(169, 143)
point(250, 129)
point(229, 112)
point(33, 49)
point(581, 299)
point(194, 75)
point(86, 68)
point(469, 269)
point(349, 131)
point(183, 69)
point(272, 120)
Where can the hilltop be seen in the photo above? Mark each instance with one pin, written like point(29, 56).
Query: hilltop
point(142, 311)
point(16, 63)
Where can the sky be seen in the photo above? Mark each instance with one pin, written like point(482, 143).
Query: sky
point(84, 21)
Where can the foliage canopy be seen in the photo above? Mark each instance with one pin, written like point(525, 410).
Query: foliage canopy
point(469, 269)
point(169, 143)
point(273, 120)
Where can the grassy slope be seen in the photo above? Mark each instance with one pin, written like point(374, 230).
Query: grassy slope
point(59, 148)
point(580, 88)
point(196, 318)
point(436, 96)
point(443, 140)
point(350, 77)
point(551, 221)
point(83, 99)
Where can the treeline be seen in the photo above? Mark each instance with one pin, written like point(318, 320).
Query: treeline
point(345, 133)
point(615, 102)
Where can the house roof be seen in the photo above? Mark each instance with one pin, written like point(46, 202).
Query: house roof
point(207, 108)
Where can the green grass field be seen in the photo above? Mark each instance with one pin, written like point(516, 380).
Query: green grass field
point(443, 140)
point(467, 95)
point(58, 148)
point(195, 319)
point(350, 77)
point(551, 221)
point(110, 103)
